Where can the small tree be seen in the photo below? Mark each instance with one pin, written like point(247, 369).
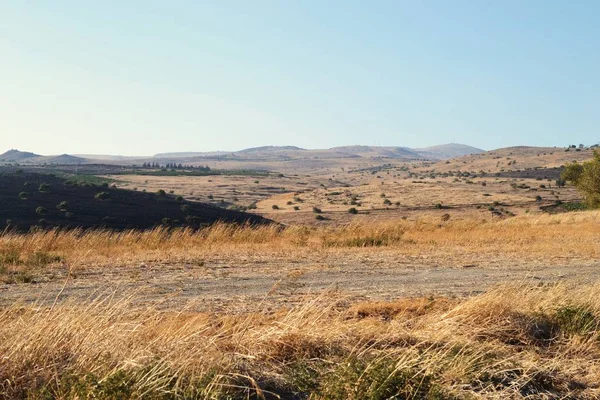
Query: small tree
point(44, 188)
point(586, 178)
point(102, 196)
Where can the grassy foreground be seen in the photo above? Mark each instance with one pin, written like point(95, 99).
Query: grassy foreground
point(518, 341)
point(512, 342)
point(526, 237)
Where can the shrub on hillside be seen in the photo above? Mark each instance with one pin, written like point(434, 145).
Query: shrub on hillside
point(102, 196)
point(586, 178)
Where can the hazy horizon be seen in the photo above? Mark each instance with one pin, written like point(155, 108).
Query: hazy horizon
point(143, 78)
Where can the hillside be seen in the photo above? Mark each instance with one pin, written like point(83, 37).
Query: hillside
point(63, 159)
point(32, 199)
point(519, 158)
point(446, 151)
point(267, 153)
point(16, 156)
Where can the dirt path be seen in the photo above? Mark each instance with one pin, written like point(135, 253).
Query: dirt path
point(245, 283)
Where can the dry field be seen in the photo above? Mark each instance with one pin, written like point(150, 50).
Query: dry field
point(424, 293)
point(411, 309)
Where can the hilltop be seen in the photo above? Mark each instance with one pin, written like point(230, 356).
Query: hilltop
point(445, 151)
point(16, 156)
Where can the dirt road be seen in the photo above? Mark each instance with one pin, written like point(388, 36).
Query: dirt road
point(257, 282)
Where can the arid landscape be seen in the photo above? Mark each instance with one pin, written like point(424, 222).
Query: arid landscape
point(366, 277)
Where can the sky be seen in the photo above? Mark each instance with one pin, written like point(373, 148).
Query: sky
point(143, 77)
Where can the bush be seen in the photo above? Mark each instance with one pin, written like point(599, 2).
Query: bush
point(44, 188)
point(41, 210)
point(275, 207)
point(179, 199)
point(296, 208)
point(23, 195)
point(102, 196)
point(161, 193)
point(319, 217)
point(63, 206)
point(586, 178)
point(387, 202)
point(352, 211)
point(317, 210)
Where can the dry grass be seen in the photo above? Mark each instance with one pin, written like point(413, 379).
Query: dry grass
point(519, 341)
point(513, 342)
point(572, 235)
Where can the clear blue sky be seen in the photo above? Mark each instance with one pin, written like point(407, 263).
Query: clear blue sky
point(140, 77)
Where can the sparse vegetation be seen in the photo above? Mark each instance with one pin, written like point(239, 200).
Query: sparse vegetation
point(586, 177)
point(102, 196)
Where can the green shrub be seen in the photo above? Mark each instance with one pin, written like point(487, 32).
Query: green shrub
point(352, 211)
point(179, 199)
point(23, 195)
point(161, 193)
point(44, 188)
point(102, 196)
point(319, 217)
point(63, 206)
point(576, 320)
point(275, 207)
point(41, 210)
point(317, 210)
point(586, 178)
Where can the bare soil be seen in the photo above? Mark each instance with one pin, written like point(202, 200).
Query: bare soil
point(255, 282)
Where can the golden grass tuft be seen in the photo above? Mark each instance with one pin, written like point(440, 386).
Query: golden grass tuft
point(482, 347)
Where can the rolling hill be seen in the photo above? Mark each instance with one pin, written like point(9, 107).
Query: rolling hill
point(32, 199)
point(17, 156)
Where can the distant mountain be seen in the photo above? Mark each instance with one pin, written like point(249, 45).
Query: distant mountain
point(446, 151)
point(378, 151)
point(258, 154)
point(262, 149)
point(16, 156)
point(189, 154)
point(62, 159)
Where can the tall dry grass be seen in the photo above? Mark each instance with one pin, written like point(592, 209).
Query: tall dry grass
point(516, 342)
point(572, 235)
